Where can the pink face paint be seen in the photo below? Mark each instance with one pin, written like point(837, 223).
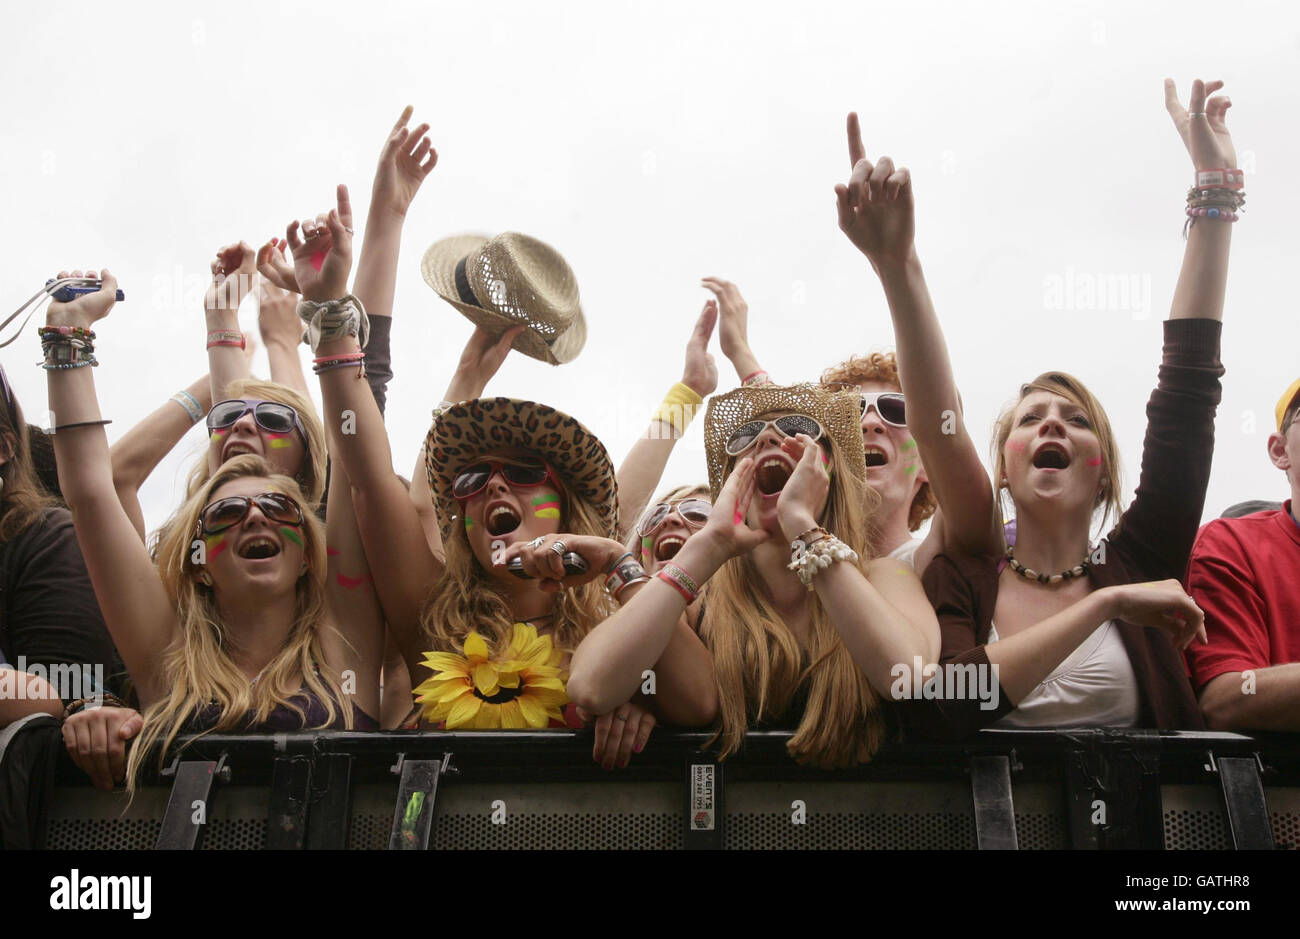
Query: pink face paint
point(351, 583)
point(279, 441)
point(219, 434)
point(1094, 461)
point(1016, 445)
point(292, 534)
point(318, 260)
point(215, 545)
point(647, 550)
point(738, 519)
point(332, 552)
point(547, 506)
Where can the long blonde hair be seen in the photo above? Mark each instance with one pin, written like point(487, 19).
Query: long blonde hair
point(760, 666)
point(467, 600)
point(197, 670)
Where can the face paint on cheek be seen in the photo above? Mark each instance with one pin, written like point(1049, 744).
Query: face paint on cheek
point(219, 434)
point(292, 534)
point(647, 550)
point(214, 544)
point(469, 523)
point(910, 468)
point(279, 441)
point(546, 506)
point(1094, 461)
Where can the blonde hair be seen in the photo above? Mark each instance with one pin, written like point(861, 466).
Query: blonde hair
point(311, 476)
point(23, 500)
point(882, 367)
point(760, 666)
point(466, 599)
point(1074, 391)
point(197, 669)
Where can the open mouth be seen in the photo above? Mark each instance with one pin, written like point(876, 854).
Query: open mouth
point(258, 548)
point(667, 547)
point(1051, 456)
point(772, 475)
point(235, 449)
point(502, 520)
point(876, 457)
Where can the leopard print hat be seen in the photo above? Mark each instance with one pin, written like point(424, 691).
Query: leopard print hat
point(467, 431)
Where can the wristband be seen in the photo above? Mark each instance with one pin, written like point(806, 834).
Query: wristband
point(55, 430)
point(105, 699)
point(1220, 179)
point(625, 572)
point(226, 337)
point(334, 319)
point(190, 404)
point(679, 407)
point(681, 581)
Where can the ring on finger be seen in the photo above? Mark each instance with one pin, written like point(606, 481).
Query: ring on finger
point(1196, 114)
point(621, 717)
point(559, 548)
point(537, 542)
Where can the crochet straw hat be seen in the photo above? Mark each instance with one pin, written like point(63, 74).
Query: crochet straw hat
point(839, 413)
point(507, 281)
point(469, 430)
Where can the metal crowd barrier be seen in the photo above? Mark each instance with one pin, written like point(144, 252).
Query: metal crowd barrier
point(508, 790)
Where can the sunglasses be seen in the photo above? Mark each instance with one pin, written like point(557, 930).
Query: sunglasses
point(743, 437)
point(890, 405)
point(474, 478)
point(269, 415)
point(694, 512)
point(218, 516)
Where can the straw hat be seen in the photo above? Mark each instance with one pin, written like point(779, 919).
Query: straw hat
point(464, 433)
point(839, 413)
point(507, 281)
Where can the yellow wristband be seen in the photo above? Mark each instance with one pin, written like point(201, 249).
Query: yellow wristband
point(679, 407)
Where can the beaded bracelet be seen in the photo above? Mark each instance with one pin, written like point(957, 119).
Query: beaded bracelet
point(681, 581)
point(818, 555)
point(190, 404)
point(357, 358)
point(105, 699)
point(79, 332)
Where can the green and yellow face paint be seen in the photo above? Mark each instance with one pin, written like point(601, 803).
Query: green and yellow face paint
point(292, 534)
point(647, 551)
point(214, 545)
point(546, 506)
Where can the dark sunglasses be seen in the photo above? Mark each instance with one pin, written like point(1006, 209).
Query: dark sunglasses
point(270, 415)
point(218, 516)
point(743, 437)
point(694, 512)
point(474, 478)
point(890, 405)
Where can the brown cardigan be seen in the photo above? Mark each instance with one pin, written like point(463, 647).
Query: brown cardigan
point(1153, 541)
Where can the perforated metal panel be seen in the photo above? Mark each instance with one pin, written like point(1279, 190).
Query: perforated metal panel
point(91, 820)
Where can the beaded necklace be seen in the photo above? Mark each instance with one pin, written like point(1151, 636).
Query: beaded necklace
point(1079, 570)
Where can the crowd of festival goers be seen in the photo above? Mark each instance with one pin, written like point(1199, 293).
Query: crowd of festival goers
point(520, 580)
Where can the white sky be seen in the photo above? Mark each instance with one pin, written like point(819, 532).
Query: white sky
point(653, 144)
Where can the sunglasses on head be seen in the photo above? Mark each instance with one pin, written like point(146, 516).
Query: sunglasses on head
point(226, 513)
point(744, 436)
point(269, 415)
point(522, 471)
point(890, 405)
point(694, 512)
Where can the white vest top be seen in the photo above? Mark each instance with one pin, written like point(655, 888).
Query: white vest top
point(1093, 687)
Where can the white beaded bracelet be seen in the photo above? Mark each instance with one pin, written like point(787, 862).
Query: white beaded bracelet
point(808, 559)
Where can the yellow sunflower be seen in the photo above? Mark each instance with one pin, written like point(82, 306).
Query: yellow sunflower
point(524, 688)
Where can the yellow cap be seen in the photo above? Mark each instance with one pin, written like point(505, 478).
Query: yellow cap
point(1284, 402)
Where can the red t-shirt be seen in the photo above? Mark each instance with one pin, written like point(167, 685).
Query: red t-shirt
point(1245, 574)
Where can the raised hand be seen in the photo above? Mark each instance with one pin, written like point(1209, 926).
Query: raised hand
point(327, 240)
point(479, 361)
point(234, 273)
point(701, 372)
point(275, 267)
point(875, 208)
point(733, 317)
point(407, 158)
point(805, 492)
point(1206, 134)
point(277, 317)
point(88, 308)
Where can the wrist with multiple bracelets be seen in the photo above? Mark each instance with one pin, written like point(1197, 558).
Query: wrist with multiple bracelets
point(815, 550)
point(333, 319)
point(1217, 194)
point(625, 572)
point(226, 337)
point(67, 347)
